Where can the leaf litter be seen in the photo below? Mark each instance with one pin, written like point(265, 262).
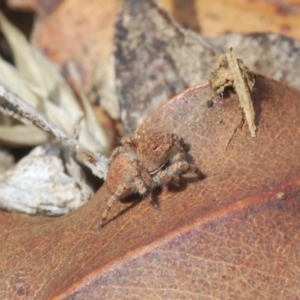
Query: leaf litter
point(156, 58)
point(172, 59)
point(48, 180)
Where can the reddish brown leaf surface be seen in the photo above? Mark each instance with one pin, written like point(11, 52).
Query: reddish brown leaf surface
point(233, 235)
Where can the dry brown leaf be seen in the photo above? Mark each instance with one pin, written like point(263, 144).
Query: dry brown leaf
point(234, 234)
point(218, 17)
point(77, 29)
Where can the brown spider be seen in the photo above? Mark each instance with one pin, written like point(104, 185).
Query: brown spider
point(140, 165)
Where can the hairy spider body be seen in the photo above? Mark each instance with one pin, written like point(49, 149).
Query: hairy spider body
point(140, 165)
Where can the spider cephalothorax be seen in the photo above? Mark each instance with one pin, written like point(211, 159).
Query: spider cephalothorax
point(141, 164)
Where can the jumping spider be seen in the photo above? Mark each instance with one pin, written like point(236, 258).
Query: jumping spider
point(142, 164)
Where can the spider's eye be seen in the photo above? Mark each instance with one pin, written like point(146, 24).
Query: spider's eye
point(154, 147)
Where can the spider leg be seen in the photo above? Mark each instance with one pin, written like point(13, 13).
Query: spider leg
point(179, 157)
point(173, 172)
point(109, 203)
point(154, 202)
point(122, 192)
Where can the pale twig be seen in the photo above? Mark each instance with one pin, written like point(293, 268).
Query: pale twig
point(14, 106)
